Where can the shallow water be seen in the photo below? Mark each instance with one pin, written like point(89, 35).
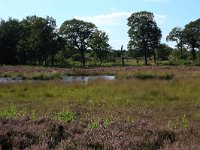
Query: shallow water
point(11, 80)
point(86, 78)
point(5, 80)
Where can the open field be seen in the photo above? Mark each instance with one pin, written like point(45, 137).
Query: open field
point(144, 108)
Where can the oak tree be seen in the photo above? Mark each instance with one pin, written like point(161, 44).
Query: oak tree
point(98, 42)
point(76, 33)
point(144, 34)
point(191, 35)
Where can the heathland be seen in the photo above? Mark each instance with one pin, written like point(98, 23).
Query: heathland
point(143, 108)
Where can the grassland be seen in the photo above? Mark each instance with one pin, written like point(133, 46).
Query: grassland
point(144, 108)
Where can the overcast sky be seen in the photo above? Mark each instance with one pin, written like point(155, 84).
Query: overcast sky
point(109, 15)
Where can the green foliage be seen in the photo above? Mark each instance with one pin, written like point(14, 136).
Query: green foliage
point(163, 52)
point(182, 122)
point(146, 75)
point(33, 40)
point(171, 125)
point(178, 54)
point(11, 112)
point(39, 42)
point(46, 76)
point(108, 121)
point(144, 34)
point(177, 35)
point(98, 41)
point(191, 35)
point(155, 96)
point(65, 116)
point(130, 119)
point(76, 33)
point(94, 124)
point(36, 41)
point(179, 62)
point(34, 114)
point(9, 36)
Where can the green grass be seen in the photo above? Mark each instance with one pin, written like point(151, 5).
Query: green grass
point(163, 95)
point(65, 116)
point(144, 75)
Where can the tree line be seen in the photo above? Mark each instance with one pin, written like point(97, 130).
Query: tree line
point(37, 41)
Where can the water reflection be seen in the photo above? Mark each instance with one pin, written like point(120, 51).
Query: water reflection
point(10, 80)
point(86, 78)
point(64, 79)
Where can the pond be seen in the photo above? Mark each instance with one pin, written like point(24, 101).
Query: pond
point(64, 79)
point(11, 80)
point(86, 78)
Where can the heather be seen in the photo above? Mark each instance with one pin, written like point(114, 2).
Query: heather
point(144, 108)
point(140, 134)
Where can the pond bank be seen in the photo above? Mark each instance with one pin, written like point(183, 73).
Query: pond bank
point(89, 71)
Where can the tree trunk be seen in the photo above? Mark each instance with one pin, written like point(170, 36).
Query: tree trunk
point(100, 58)
point(181, 51)
point(154, 57)
point(23, 61)
point(193, 53)
point(83, 57)
point(52, 60)
point(145, 56)
point(122, 56)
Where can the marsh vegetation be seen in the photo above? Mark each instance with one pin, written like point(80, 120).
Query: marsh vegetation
point(143, 108)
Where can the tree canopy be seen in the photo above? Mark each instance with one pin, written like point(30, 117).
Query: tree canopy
point(144, 34)
point(177, 35)
point(191, 35)
point(37, 41)
point(76, 33)
point(98, 42)
point(9, 33)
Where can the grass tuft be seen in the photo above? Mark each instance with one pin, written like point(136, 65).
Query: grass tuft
point(66, 116)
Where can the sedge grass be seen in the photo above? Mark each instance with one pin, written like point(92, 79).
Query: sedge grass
point(150, 98)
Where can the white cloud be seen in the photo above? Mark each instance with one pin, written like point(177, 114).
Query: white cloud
point(115, 25)
point(160, 18)
point(107, 19)
point(117, 18)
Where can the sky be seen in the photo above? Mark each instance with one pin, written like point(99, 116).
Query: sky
point(108, 15)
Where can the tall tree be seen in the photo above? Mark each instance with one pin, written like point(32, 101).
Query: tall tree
point(144, 34)
point(37, 40)
point(191, 35)
point(9, 36)
point(77, 32)
point(98, 42)
point(176, 35)
point(23, 48)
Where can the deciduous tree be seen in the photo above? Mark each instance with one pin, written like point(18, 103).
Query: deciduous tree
point(191, 35)
point(144, 34)
point(77, 32)
point(37, 42)
point(98, 42)
point(9, 37)
point(176, 35)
